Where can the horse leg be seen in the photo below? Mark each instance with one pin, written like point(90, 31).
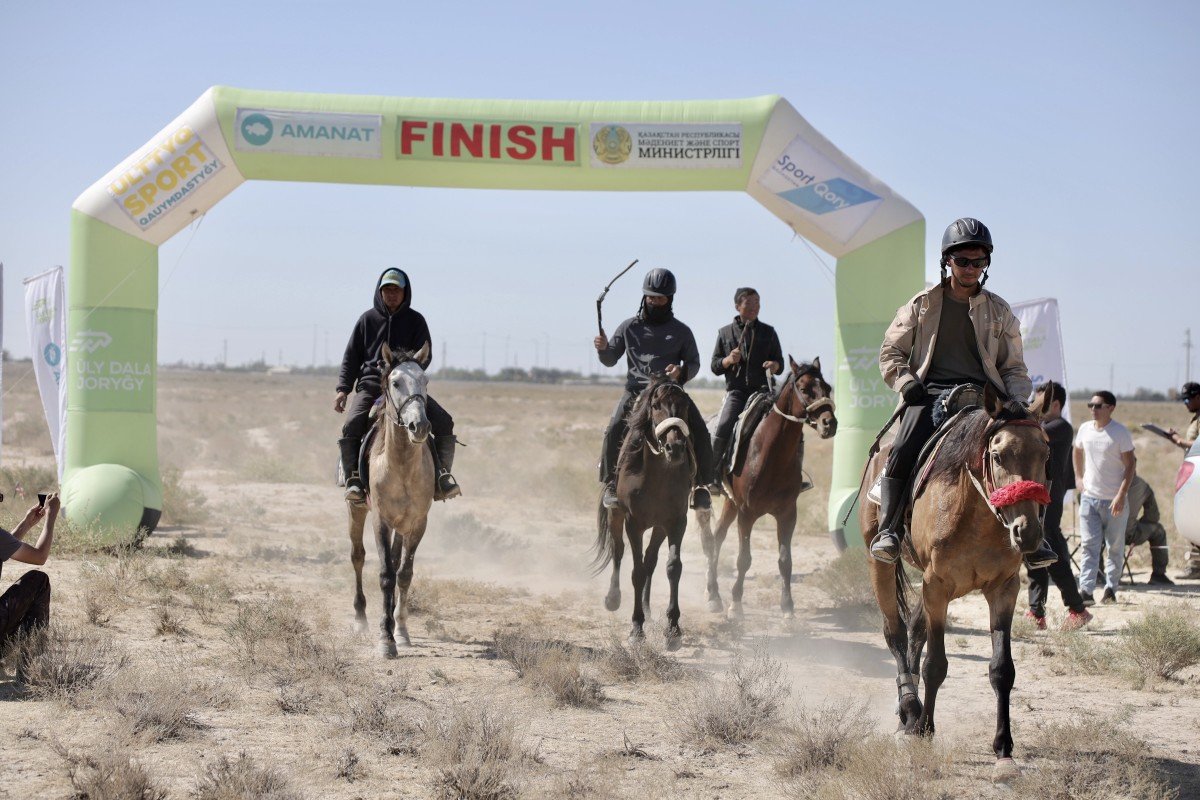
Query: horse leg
point(785, 526)
point(404, 582)
point(712, 550)
point(358, 556)
point(918, 635)
point(674, 633)
point(387, 584)
point(616, 543)
point(745, 523)
point(650, 562)
point(895, 634)
point(934, 673)
point(634, 532)
point(1002, 672)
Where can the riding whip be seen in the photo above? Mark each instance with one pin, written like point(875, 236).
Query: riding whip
point(600, 299)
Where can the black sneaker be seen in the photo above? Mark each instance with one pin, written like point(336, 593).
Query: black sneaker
point(1161, 579)
point(1088, 599)
point(610, 495)
point(701, 499)
point(1109, 597)
point(886, 547)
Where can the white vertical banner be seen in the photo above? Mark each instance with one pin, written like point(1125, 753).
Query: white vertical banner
point(1042, 338)
point(46, 319)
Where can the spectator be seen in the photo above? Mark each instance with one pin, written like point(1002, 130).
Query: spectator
point(1104, 468)
point(25, 606)
point(1061, 478)
point(1147, 528)
point(1190, 395)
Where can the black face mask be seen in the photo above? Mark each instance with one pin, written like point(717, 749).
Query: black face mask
point(656, 315)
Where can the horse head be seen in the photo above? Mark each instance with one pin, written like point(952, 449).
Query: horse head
point(406, 388)
point(811, 398)
point(666, 429)
point(1013, 460)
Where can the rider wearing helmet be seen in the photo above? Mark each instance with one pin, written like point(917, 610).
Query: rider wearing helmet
point(954, 333)
point(390, 320)
point(653, 342)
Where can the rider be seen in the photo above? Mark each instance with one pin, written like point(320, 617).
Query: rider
point(747, 353)
point(653, 342)
point(391, 320)
point(954, 333)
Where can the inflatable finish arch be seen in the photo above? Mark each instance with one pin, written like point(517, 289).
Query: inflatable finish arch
point(759, 145)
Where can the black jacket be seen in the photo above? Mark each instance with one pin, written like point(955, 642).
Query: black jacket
point(760, 343)
point(650, 348)
point(404, 329)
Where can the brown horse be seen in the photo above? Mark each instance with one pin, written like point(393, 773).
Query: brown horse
point(401, 492)
point(977, 514)
point(654, 480)
point(772, 479)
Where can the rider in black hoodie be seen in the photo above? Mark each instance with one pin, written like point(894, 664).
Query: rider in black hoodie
point(392, 320)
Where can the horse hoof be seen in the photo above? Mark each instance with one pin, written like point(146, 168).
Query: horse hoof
point(612, 601)
point(405, 641)
point(637, 634)
point(789, 614)
point(1005, 771)
point(387, 649)
point(716, 606)
point(360, 626)
point(674, 640)
point(735, 611)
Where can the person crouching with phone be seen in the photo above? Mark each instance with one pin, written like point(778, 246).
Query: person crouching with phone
point(25, 606)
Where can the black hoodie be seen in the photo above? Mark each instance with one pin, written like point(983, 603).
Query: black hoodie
point(405, 329)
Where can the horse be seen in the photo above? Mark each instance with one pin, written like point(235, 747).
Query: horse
point(772, 479)
point(400, 490)
point(978, 512)
point(654, 480)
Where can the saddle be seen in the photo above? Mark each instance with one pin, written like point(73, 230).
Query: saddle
point(364, 453)
point(757, 407)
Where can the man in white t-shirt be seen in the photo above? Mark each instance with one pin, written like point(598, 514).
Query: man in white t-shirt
point(1104, 468)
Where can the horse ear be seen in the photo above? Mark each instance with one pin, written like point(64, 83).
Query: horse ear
point(1047, 400)
point(992, 403)
point(422, 356)
point(817, 363)
point(792, 363)
point(385, 353)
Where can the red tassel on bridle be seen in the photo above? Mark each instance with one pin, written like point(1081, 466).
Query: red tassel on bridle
point(1021, 490)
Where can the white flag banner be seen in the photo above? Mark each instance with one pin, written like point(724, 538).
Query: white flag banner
point(1041, 336)
point(46, 318)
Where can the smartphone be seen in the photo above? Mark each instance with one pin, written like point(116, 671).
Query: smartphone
point(41, 499)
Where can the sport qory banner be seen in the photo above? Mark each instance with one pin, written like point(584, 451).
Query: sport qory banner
point(46, 321)
point(1041, 336)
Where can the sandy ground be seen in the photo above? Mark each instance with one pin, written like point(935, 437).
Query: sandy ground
point(511, 553)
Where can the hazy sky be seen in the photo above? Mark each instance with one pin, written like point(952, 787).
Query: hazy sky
point(1070, 128)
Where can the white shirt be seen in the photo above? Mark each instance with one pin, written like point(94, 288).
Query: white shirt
point(1103, 469)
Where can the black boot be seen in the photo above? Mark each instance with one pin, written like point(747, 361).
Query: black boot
point(446, 487)
point(886, 547)
point(355, 491)
point(1044, 556)
point(720, 448)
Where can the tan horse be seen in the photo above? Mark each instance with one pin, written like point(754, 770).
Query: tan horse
point(400, 491)
point(977, 515)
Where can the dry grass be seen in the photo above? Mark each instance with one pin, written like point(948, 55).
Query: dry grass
point(387, 715)
point(61, 659)
point(747, 703)
point(152, 705)
point(847, 581)
point(242, 779)
point(827, 738)
point(109, 775)
point(639, 661)
point(349, 767)
point(475, 752)
point(550, 666)
point(271, 636)
point(1091, 762)
point(1162, 642)
point(182, 505)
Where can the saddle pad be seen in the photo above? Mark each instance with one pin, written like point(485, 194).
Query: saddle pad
point(757, 407)
point(930, 450)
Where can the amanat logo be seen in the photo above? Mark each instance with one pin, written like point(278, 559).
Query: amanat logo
point(547, 143)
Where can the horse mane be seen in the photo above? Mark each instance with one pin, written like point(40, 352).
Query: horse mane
point(963, 444)
point(639, 425)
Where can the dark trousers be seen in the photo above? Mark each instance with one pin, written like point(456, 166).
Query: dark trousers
point(614, 434)
point(358, 422)
point(916, 426)
point(735, 403)
point(1060, 571)
point(1155, 535)
point(24, 606)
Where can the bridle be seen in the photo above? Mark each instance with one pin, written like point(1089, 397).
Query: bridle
point(1003, 497)
point(808, 414)
point(393, 411)
point(661, 429)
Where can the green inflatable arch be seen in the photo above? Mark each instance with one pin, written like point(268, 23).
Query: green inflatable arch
point(759, 145)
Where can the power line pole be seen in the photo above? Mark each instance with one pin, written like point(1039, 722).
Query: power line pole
point(1187, 359)
point(225, 354)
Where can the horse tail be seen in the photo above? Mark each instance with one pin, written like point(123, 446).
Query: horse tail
point(902, 592)
point(602, 548)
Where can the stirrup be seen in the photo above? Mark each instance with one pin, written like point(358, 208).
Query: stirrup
point(354, 494)
point(1041, 558)
point(701, 499)
point(610, 499)
point(885, 547)
point(447, 487)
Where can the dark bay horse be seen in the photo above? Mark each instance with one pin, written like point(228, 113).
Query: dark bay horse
point(978, 513)
point(654, 480)
point(772, 478)
point(400, 491)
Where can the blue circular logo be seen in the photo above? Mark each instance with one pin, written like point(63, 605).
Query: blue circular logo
point(257, 129)
point(52, 354)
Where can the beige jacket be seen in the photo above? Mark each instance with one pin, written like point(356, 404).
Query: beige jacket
point(908, 345)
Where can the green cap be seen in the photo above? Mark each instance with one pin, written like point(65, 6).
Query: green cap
point(393, 277)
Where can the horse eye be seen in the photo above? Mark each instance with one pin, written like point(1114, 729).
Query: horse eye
point(996, 457)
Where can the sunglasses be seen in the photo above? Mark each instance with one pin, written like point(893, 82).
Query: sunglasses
point(1096, 405)
point(962, 262)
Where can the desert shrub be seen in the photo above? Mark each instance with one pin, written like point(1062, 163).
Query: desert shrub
point(242, 779)
point(182, 505)
point(847, 580)
point(550, 666)
point(1162, 642)
point(641, 660)
point(155, 705)
point(746, 704)
point(825, 738)
point(1091, 762)
point(385, 713)
point(62, 659)
point(475, 752)
point(349, 766)
point(270, 636)
point(24, 481)
point(263, 468)
point(109, 775)
point(167, 623)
